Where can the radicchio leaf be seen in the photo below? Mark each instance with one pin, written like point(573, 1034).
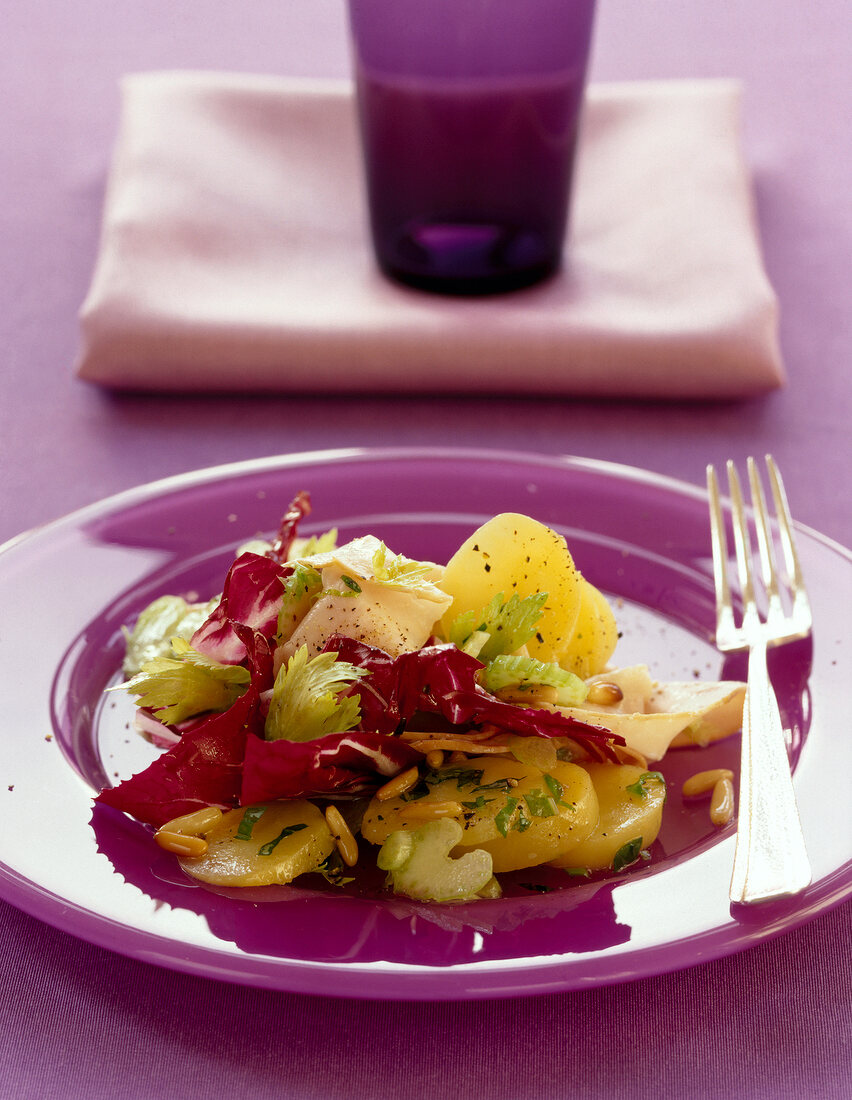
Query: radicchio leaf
point(338, 763)
point(441, 679)
point(204, 768)
point(251, 597)
point(300, 507)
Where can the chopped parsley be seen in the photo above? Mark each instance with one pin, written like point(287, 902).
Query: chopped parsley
point(540, 804)
point(512, 816)
point(627, 854)
point(480, 803)
point(503, 820)
point(248, 821)
point(639, 788)
point(288, 830)
point(496, 785)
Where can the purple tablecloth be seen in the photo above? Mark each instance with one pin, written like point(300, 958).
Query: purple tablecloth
point(76, 1020)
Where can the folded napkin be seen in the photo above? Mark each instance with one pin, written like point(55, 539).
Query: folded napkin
point(235, 256)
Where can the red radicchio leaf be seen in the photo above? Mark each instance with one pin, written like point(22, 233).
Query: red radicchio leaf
point(251, 597)
point(441, 679)
point(338, 763)
point(203, 769)
point(299, 508)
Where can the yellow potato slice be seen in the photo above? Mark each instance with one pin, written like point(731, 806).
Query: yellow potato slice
point(624, 815)
point(513, 553)
point(521, 815)
point(595, 634)
point(261, 845)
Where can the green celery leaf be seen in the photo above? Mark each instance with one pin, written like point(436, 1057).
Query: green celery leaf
point(397, 571)
point(306, 702)
point(166, 618)
point(526, 672)
point(509, 624)
point(315, 544)
point(187, 684)
point(300, 590)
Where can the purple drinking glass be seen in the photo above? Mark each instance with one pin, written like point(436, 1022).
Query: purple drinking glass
point(469, 113)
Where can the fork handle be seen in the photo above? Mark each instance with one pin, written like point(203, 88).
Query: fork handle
point(770, 859)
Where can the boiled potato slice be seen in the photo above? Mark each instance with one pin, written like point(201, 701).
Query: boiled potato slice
point(272, 842)
point(624, 814)
point(595, 634)
point(541, 816)
point(513, 553)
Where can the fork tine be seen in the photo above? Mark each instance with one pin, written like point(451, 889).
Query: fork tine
point(764, 543)
point(724, 605)
point(791, 558)
point(742, 543)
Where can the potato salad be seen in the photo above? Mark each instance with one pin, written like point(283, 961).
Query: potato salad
point(346, 711)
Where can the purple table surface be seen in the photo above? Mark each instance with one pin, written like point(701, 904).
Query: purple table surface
point(76, 1020)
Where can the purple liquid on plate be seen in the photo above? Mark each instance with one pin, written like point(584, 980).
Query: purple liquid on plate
point(469, 183)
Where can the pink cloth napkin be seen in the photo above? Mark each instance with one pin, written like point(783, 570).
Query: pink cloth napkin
point(235, 256)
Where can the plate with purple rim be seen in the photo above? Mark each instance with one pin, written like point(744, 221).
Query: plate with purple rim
point(68, 589)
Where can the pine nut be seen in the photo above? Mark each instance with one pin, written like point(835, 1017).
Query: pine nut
point(602, 693)
point(399, 784)
point(431, 811)
point(343, 838)
point(181, 845)
point(434, 759)
point(722, 802)
point(704, 782)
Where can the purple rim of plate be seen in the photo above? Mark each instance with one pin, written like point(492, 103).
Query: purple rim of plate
point(642, 538)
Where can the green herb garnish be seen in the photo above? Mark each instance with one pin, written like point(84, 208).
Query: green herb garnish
point(627, 854)
point(248, 821)
point(639, 788)
point(495, 785)
point(288, 830)
point(540, 804)
point(480, 803)
point(464, 777)
point(504, 818)
point(556, 790)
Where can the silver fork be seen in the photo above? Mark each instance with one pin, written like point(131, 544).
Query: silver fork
point(770, 859)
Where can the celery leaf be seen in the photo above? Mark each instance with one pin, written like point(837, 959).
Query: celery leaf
point(509, 624)
point(306, 700)
point(300, 590)
point(187, 684)
point(526, 672)
point(397, 571)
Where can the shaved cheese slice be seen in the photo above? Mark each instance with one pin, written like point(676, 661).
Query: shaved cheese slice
point(395, 615)
point(652, 716)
